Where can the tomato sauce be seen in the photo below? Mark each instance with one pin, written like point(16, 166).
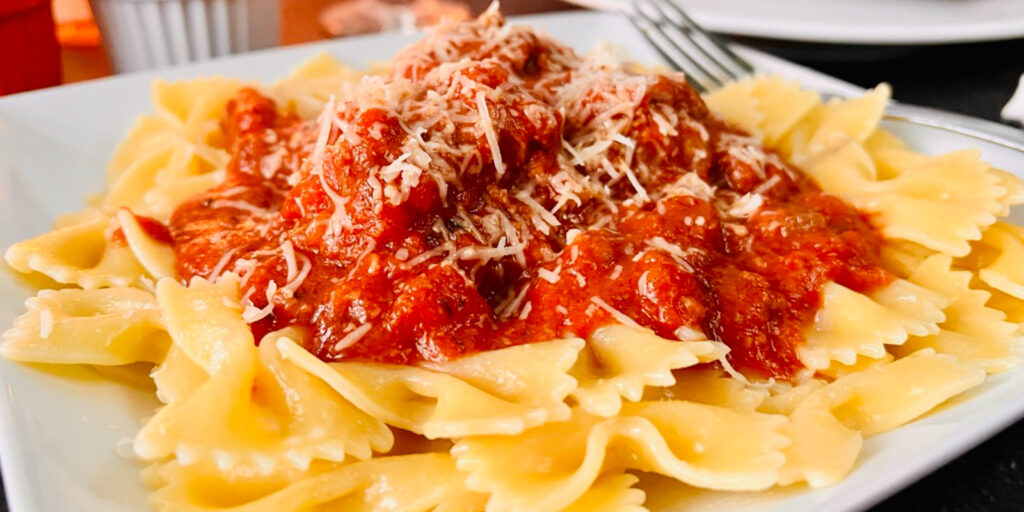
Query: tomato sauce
point(498, 189)
point(152, 227)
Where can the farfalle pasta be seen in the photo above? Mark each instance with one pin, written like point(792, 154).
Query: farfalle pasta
point(174, 154)
point(457, 399)
point(850, 325)
point(78, 252)
point(621, 362)
point(124, 326)
point(496, 275)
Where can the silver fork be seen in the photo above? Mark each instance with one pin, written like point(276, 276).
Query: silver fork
point(709, 63)
point(705, 59)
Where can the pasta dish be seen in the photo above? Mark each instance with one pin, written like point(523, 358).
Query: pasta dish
point(498, 275)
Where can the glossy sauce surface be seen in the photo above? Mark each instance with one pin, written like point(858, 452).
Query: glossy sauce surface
point(394, 231)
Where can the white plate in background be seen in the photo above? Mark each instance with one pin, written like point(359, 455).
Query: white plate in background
point(867, 22)
point(58, 434)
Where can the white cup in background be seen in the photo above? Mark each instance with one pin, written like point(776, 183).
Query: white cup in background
point(143, 34)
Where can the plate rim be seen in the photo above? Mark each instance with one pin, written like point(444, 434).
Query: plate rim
point(829, 31)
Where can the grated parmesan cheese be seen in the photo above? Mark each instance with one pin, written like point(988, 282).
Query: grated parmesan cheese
point(766, 185)
point(690, 184)
point(238, 205)
point(222, 263)
point(447, 247)
point(513, 238)
point(352, 337)
point(490, 253)
point(548, 275)
point(580, 280)
point(616, 314)
point(488, 128)
point(538, 209)
point(616, 272)
point(253, 314)
point(674, 250)
point(339, 218)
point(570, 237)
point(323, 134)
point(745, 206)
point(288, 252)
point(293, 284)
point(506, 309)
point(685, 333)
point(526, 311)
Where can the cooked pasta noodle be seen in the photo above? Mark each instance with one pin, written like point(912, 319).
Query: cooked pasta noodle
point(254, 420)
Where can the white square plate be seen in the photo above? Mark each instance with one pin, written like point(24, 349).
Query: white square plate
point(58, 431)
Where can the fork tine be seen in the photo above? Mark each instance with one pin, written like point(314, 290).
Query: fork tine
point(737, 63)
point(671, 51)
point(696, 47)
point(683, 37)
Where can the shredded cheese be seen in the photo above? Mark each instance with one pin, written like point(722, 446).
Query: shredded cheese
point(686, 333)
point(548, 275)
point(424, 256)
point(641, 193)
point(674, 250)
point(526, 311)
point(339, 218)
point(538, 208)
point(491, 253)
point(492, 137)
point(222, 263)
point(616, 314)
point(513, 238)
point(293, 284)
point(508, 308)
point(580, 279)
point(253, 314)
point(766, 185)
point(690, 184)
point(352, 337)
point(288, 252)
point(616, 272)
point(745, 206)
point(324, 133)
point(238, 205)
point(570, 237)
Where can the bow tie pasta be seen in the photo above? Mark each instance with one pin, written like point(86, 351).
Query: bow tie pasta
point(496, 275)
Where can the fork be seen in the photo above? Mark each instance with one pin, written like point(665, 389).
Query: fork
point(705, 59)
point(709, 63)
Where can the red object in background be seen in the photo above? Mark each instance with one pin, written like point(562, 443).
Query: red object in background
point(29, 53)
point(76, 27)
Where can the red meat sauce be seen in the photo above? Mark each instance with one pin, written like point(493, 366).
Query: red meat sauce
point(389, 230)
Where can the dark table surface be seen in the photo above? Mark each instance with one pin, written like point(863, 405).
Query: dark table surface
point(974, 79)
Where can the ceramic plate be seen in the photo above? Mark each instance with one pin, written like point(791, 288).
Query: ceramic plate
point(872, 22)
point(59, 431)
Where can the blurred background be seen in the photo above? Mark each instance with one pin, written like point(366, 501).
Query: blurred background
point(962, 55)
point(48, 42)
